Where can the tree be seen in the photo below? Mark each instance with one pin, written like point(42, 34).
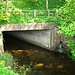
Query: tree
point(47, 5)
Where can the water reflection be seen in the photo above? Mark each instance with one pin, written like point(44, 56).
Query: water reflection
point(44, 61)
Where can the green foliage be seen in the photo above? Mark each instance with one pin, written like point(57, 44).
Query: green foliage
point(4, 16)
point(72, 44)
point(27, 5)
point(4, 71)
point(2, 64)
point(17, 12)
point(68, 27)
point(2, 6)
point(9, 6)
point(37, 4)
point(23, 69)
point(14, 19)
point(6, 57)
point(68, 11)
point(69, 31)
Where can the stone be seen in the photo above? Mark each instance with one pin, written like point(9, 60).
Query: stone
point(38, 66)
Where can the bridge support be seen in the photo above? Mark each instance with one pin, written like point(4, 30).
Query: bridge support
point(1, 43)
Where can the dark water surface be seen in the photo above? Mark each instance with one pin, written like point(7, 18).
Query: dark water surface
point(44, 62)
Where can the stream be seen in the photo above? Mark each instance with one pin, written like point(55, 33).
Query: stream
point(44, 62)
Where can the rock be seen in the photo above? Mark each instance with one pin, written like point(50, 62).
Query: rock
point(38, 66)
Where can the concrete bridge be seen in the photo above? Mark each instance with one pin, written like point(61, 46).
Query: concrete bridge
point(41, 34)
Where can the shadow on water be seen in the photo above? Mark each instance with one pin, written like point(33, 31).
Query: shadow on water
point(44, 61)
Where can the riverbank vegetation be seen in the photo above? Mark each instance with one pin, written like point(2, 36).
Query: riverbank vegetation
point(9, 67)
point(68, 26)
point(6, 64)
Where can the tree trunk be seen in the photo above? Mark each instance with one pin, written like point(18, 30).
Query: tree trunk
point(47, 5)
point(6, 6)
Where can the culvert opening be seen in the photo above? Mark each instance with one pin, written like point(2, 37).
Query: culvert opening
point(12, 43)
point(22, 51)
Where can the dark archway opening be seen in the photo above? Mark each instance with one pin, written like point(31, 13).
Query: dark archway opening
point(12, 43)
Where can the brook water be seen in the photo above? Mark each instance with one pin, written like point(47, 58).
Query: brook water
point(44, 62)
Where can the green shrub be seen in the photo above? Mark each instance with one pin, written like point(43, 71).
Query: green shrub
point(69, 31)
point(2, 64)
point(8, 58)
point(23, 69)
point(4, 16)
point(14, 19)
point(17, 12)
point(4, 71)
point(68, 26)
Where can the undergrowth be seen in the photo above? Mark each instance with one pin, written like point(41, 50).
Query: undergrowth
point(12, 70)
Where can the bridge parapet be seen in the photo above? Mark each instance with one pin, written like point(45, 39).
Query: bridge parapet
point(27, 26)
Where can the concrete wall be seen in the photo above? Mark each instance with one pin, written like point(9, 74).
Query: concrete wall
point(41, 38)
point(43, 35)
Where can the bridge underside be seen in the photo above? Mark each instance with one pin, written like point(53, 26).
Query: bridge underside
point(41, 34)
point(42, 38)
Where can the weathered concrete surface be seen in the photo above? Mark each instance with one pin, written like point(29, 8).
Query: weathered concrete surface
point(1, 44)
point(44, 39)
point(27, 26)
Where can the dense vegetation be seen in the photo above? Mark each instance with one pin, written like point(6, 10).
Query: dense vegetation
point(66, 20)
point(68, 26)
point(38, 4)
point(7, 69)
point(17, 17)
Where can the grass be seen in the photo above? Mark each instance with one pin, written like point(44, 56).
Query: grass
point(25, 19)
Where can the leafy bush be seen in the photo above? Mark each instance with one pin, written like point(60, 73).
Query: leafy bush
point(4, 16)
point(68, 26)
point(69, 31)
point(14, 19)
point(2, 64)
point(2, 6)
point(68, 11)
point(17, 11)
point(22, 69)
point(8, 58)
point(4, 71)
